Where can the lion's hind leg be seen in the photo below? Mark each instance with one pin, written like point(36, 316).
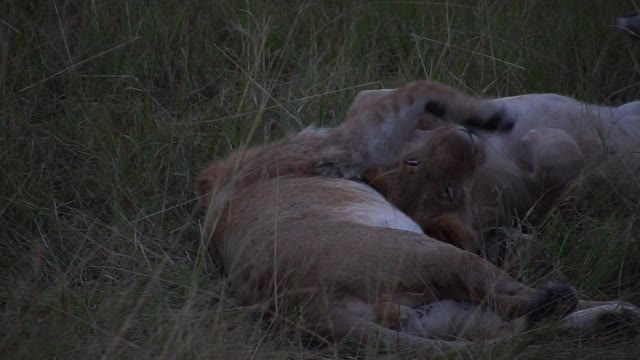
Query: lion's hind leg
point(347, 320)
point(445, 272)
point(555, 158)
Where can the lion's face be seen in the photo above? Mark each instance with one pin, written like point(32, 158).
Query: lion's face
point(433, 178)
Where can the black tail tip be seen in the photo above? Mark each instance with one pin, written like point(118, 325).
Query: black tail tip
point(553, 298)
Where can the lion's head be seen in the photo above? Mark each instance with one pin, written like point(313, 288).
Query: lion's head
point(432, 181)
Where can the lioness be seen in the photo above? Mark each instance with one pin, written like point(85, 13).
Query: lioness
point(555, 141)
point(298, 233)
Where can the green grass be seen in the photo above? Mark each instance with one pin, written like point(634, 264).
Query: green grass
point(109, 108)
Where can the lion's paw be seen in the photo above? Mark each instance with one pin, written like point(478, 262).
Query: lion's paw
point(620, 319)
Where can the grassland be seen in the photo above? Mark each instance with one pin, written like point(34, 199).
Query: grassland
point(109, 108)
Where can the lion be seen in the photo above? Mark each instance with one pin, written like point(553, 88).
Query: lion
point(431, 184)
point(557, 144)
point(567, 143)
point(299, 233)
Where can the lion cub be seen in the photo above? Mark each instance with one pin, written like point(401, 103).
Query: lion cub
point(432, 185)
point(439, 198)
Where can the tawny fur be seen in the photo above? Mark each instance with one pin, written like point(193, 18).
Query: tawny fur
point(432, 183)
point(556, 142)
point(297, 233)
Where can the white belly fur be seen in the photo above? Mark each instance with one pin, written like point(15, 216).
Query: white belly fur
point(374, 210)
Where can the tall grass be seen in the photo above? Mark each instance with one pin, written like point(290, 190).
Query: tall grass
point(109, 108)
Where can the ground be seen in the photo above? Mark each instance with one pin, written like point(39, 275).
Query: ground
point(109, 109)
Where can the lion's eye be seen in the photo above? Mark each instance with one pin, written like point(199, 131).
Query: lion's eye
point(412, 162)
